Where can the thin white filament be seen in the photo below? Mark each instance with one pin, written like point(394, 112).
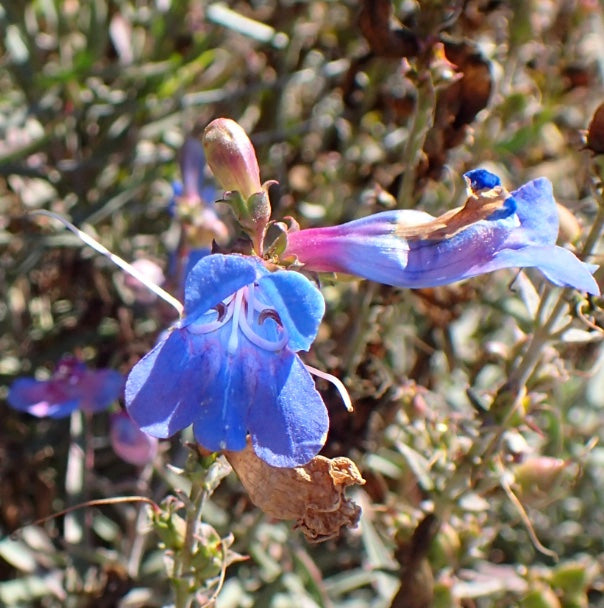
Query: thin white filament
point(206, 328)
point(336, 382)
point(125, 266)
point(253, 337)
point(233, 339)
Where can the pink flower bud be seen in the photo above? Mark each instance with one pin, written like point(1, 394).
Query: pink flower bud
point(232, 157)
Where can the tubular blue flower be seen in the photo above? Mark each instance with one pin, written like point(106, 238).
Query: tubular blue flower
point(230, 367)
point(410, 248)
point(129, 442)
point(72, 386)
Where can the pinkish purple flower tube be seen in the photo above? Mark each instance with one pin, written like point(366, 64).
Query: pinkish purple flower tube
point(409, 248)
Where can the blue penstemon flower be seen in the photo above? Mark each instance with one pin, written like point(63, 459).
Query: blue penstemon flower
point(409, 248)
point(230, 367)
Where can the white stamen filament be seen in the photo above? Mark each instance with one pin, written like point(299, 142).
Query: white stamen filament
point(207, 328)
point(243, 320)
point(233, 338)
point(125, 266)
point(253, 337)
point(336, 382)
point(251, 303)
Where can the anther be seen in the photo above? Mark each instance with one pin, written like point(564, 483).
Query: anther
point(269, 313)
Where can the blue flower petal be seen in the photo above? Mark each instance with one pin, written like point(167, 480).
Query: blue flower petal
point(538, 214)
point(288, 422)
point(558, 265)
point(163, 389)
point(40, 398)
point(214, 278)
point(100, 388)
point(299, 303)
point(221, 418)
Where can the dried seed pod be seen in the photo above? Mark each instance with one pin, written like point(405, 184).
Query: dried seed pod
point(312, 494)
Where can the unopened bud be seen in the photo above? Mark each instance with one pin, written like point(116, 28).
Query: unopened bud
point(232, 158)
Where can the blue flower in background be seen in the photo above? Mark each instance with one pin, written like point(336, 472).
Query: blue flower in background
point(230, 367)
point(72, 386)
point(410, 248)
point(193, 203)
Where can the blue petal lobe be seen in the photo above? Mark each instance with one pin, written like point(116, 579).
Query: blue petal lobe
point(221, 420)
point(41, 398)
point(100, 388)
point(559, 265)
point(214, 278)
point(299, 303)
point(538, 214)
point(288, 422)
point(163, 389)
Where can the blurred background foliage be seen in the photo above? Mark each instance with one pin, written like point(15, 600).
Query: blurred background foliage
point(354, 107)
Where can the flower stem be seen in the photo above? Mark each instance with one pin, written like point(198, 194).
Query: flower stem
point(596, 229)
point(423, 120)
point(74, 478)
point(183, 577)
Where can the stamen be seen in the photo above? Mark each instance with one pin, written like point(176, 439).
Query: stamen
point(269, 345)
point(125, 266)
point(233, 339)
point(206, 328)
point(250, 302)
point(269, 313)
point(221, 310)
point(336, 382)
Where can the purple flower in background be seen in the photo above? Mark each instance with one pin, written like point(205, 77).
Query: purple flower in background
point(129, 442)
point(72, 386)
point(193, 204)
point(410, 248)
point(230, 367)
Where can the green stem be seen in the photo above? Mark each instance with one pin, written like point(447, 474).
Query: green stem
point(423, 120)
point(183, 578)
point(596, 231)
